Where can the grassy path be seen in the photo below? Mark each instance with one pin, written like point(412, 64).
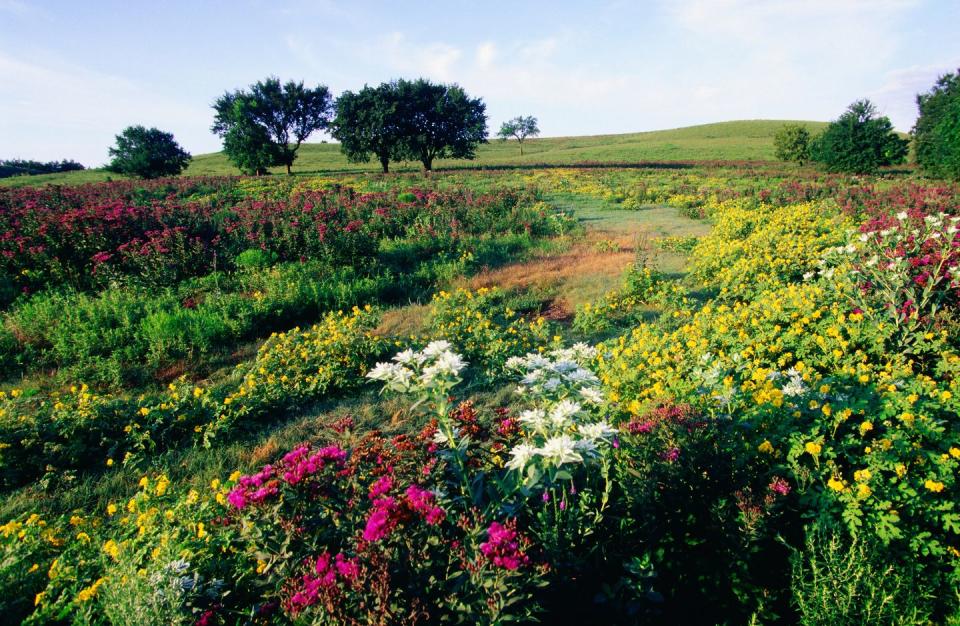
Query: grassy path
point(587, 268)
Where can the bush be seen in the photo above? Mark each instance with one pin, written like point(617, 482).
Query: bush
point(792, 143)
point(859, 142)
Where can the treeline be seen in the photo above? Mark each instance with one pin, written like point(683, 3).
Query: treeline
point(860, 141)
point(22, 167)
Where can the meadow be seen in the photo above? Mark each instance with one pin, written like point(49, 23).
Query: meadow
point(748, 140)
point(705, 393)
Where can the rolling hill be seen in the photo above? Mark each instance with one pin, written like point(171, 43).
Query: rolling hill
point(747, 140)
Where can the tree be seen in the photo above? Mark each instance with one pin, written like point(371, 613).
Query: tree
point(792, 143)
point(147, 153)
point(936, 134)
point(859, 142)
point(285, 115)
point(247, 144)
point(439, 121)
point(519, 127)
point(369, 122)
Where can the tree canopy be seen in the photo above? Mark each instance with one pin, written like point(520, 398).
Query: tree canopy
point(282, 116)
point(147, 153)
point(369, 122)
point(439, 121)
point(859, 141)
point(936, 133)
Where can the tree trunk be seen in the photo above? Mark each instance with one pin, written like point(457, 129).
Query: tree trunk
point(521, 148)
point(385, 164)
point(427, 164)
point(289, 173)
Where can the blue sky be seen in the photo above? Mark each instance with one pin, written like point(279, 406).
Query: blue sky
point(73, 74)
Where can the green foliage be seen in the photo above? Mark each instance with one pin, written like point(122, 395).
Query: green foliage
point(266, 125)
point(439, 121)
point(936, 133)
point(792, 143)
point(844, 581)
point(520, 128)
point(859, 142)
point(147, 153)
point(370, 122)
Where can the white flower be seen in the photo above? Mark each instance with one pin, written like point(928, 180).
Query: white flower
point(521, 454)
point(808, 275)
point(902, 215)
point(562, 411)
point(551, 384)
point(600, 430)
point(408, 357)
point(434, 348)
point(536, 419)
point(560, 450)
point(592, 396)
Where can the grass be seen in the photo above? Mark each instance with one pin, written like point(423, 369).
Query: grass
point(746, 140)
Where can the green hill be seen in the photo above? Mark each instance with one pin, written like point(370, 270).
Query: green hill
point(746, 140)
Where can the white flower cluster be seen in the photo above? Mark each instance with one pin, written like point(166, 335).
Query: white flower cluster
point(434, 367)
point(558, 374)
point(559, 429)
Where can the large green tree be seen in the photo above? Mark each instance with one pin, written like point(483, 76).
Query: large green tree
point(369, 122)
point(936, 134)
point(147, 153)
point(439, 121)
point(792, 143)
point(859, 141)
point(519, 128)
point(283, 115)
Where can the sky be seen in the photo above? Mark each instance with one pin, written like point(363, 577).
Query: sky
point(74, 74)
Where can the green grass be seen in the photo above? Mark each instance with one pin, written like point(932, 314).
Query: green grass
point(747, 140)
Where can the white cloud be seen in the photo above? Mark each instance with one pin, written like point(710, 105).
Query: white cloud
point(62, 111)
point(896, 98)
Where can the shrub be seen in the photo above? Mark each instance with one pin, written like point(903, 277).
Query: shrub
point(859, 142)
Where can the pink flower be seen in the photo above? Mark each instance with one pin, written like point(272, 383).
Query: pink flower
point(381, 487)
point(502, 547)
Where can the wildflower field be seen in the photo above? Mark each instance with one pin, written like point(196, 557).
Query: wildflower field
point(695, 394)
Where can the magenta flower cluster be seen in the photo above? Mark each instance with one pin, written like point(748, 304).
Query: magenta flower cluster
point(502, 547)
point(324, 576)
point(388, 511)
point(296, 465)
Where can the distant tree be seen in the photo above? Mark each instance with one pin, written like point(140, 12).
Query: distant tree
point(21, 167)
point(369, 122)
point(792, 143)
point(439, 121)
point(147, 153)
point(859, 142)
point(936, 134)
point(519, 127)
point(285, 114)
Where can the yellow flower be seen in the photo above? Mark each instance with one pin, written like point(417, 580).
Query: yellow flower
point(836, 485)
point(112, 549)
point(812, 448)
point(955, 452)
point(933, 485)
point(862, 475)
point(39, 598)
point(865, 427)
point(111, 508)
point(144, 482)
point(901, 469)
point(215, 484)
point(766, 447)
point(88, 593)
point(201, 531)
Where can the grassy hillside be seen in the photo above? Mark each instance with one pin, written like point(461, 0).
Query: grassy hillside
point(738, 140)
